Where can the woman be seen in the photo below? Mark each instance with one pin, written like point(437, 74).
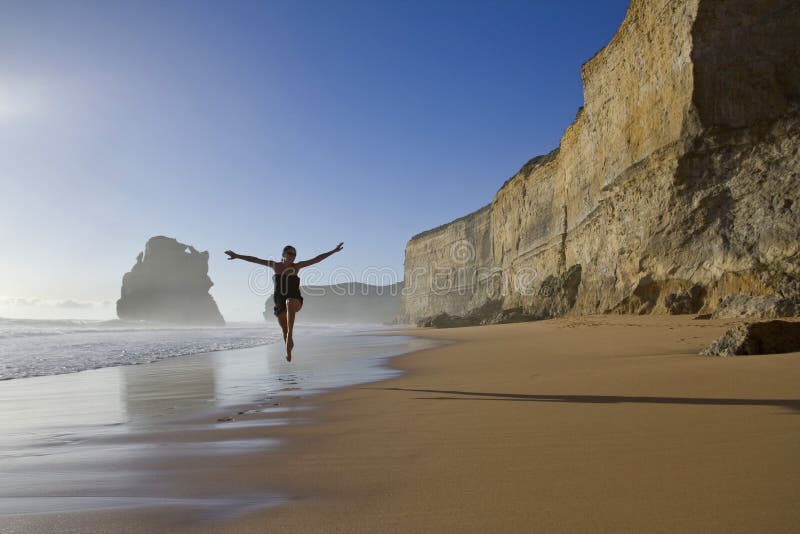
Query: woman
point(287, 297)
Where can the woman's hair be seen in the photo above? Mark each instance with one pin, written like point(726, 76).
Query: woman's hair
point(289, 247)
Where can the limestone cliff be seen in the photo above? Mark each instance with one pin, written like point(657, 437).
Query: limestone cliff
point(675, 187)
point(169, 283)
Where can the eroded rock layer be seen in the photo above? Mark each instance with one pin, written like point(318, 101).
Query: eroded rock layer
point(675, 187)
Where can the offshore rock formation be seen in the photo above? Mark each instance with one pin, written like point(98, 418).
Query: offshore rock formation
point(675, 187)
point(169, 283)
point(346, 303)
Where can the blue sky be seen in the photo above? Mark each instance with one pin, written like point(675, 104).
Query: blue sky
point(250, 125)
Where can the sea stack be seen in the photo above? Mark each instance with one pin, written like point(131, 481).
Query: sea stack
point(169, 284)
point(676, 189)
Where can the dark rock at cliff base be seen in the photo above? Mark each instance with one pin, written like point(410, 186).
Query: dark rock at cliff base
point(556, 295)
point(686, 301)
point(444, 320)
point(770, 337)
point(489, 313)
point(170, 284)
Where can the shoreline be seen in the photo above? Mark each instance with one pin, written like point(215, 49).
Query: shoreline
point(147, 417)
point(570, 425)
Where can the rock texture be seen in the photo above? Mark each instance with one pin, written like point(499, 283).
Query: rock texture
point(346, 303)
point(768, 307)
point(169, 283)
point(675, 187)
point(771, 337)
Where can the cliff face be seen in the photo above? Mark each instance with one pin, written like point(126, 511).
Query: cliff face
point(675, 187)
point(169, 283)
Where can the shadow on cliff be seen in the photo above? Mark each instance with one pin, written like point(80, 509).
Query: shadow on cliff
point(792, 404)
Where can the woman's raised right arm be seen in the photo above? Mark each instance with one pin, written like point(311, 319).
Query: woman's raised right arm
point(251, 259)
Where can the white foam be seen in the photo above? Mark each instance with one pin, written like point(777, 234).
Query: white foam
point(37, 348)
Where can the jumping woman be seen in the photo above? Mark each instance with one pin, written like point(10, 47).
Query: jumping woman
point(287, 297)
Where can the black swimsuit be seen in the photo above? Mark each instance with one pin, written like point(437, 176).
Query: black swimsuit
point(286, 286)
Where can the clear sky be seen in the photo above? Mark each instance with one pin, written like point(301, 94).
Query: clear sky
point(250, 125)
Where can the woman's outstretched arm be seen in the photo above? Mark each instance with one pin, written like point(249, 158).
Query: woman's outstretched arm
point(317, 259)
point(251, 259)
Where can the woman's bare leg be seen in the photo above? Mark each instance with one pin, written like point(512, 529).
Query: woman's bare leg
point(282, 322)
point(292, 307)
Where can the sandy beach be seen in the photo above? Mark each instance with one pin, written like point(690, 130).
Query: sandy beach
point(248, 245)
point(597, 424)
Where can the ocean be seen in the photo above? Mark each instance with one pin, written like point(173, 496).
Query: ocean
point(33, 347)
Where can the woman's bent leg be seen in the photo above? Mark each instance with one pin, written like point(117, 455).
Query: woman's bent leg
point(284, 325)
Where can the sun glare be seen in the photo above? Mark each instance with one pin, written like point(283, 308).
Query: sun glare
point(17, 99)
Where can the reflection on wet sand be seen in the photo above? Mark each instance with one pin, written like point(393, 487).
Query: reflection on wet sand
point(168, 389)
point(115, 437)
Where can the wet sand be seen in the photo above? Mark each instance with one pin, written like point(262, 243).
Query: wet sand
point(598, 424)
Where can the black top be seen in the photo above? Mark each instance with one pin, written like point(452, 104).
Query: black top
point(287, 285)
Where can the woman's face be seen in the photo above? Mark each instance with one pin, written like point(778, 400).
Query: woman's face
point(289, 255)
